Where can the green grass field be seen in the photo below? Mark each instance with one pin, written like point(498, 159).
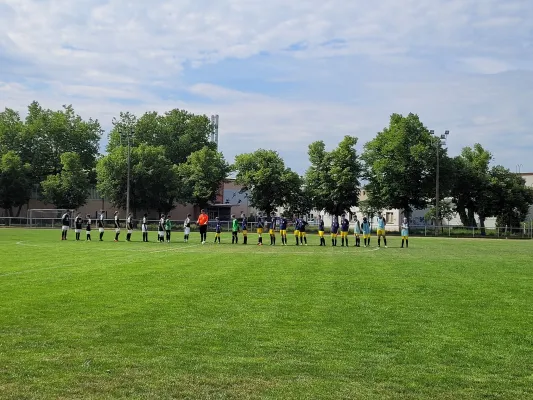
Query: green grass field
point(444, 319)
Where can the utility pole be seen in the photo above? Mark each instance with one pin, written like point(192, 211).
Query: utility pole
point(442, 140)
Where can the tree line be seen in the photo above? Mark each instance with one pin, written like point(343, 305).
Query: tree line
point(173, 161)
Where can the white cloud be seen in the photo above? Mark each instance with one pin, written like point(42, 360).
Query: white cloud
point(451, 61)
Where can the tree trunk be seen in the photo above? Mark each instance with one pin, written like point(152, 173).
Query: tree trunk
point(9, 212)
point(19, 210)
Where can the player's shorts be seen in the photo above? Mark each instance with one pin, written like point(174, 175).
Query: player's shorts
point(283, 232)
point(144, 228)
point(271, 232)
point(357, 233)
point(217, 233)
point(117, 230)
point(366, 235)
point(303, 234)
point(344, 234)
point(381, 232)
point(296, 233)
point(187, 230)
point(259, 231)
point(101, 230)
point(64, 228)
point(321, 233)
point(77, 230)
point(334, 235)
point(245, 232)
point(130, 231)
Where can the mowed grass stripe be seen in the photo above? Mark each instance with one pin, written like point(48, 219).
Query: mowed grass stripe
point(443, 319)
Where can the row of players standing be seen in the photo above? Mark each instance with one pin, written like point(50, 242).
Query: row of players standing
point(269, 223)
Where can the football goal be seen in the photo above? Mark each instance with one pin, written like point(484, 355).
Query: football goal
point(46, 218)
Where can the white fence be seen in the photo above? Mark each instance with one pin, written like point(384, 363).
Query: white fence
point(525, 232)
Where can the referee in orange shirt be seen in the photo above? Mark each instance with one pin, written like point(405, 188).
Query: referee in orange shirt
point(203, 219)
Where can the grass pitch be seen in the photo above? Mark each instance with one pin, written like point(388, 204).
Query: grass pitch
point(444, 319)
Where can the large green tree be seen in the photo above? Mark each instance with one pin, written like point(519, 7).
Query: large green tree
point(154, 180)
point(15, 182)
point(265, 177)
point(332, 180)
point(511, 197)
point(401, 165)
point(69, 188)
point(471, 185)
point(179, 132)
point(201, 176)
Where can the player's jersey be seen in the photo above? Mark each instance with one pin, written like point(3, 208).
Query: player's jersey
point(365, 226)
point(381, 223)
point(302, 225)
point(321, 225)
point(235, 225)
point(161, 226)
point(78, 222)
point(101, 221)
point(334, 227)
point(297, 224)
point(88, 225)
point(260, 223)
point(168, 224)
point(144, 221)
point(244, 224)
point(357, 226)
point(218, 227)
point(405, 229)
point(345, 225)
point(130, 224)
point(187, 223)
point(283, 224)
point(65, 220)
point(117, 222)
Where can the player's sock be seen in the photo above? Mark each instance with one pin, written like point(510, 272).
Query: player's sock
point(245, 240)
point(406, 242)
point(346, 242)
point(89, 236)
point(403, 240)
point(305, 239)
point(342, 241)
point(379, 242)
point(369, 241)
point(101, 235)
point(385, 241)
point(297, 240)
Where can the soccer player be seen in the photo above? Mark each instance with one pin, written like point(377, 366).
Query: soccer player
point(202, 222)
point(129, 226)
point(345, 228)
point(65, 223)
point(405, 233)
point(168, 228)
point(234, 230)
point(357, 232)
point(161, 229)
point(272, 229)
point(101, 225)
point(144, 227)
point(218, 230)
point(321, 231)
point(117, 226)
point(303, 234)
point(381, 230)
point(260, 226)
point(334, 231)
point(78, 222)
point(244, 227)
point(365, 227)
point(187, 230)
point(283, 230)
point(88, 228)
point(297, 230)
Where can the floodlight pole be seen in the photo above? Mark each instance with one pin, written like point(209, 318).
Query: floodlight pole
point(438, 143)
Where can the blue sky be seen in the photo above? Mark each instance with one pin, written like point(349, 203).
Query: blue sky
point(283, 74)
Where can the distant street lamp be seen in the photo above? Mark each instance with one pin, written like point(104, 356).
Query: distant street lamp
point(519, 168)
point(441, 141)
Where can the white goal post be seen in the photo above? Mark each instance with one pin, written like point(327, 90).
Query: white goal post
point(46, 218)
